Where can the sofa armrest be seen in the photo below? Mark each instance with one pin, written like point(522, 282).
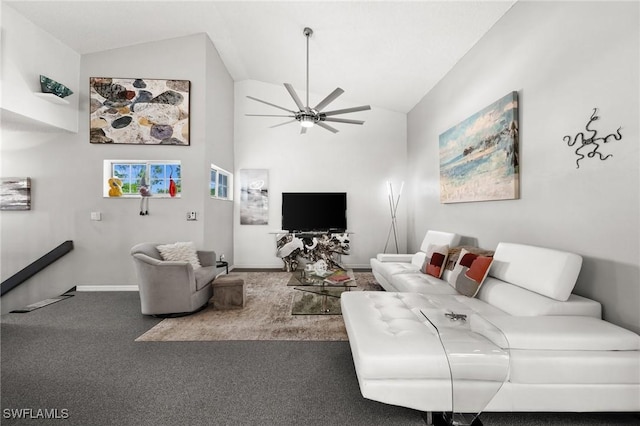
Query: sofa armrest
point(159, 274)
point(207, 257)
point(391, 257)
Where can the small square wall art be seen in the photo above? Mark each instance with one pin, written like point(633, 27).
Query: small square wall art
point(479, 158)
point(139, 111)
point(15, 193)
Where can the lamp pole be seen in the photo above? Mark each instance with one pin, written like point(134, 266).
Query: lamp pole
point(393, 207)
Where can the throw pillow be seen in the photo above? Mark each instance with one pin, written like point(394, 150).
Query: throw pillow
point(181, 251)
point(435, 260)
point(454, 254)
point(469, 273)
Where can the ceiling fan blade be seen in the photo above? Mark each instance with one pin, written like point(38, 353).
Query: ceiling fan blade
point(282, 124)
point(326, 126)
point(343, 120)
point(347, 110)
point(295, 97)
point(268, 115)
point(269, 103)
point(326, 101)
point(303, 130)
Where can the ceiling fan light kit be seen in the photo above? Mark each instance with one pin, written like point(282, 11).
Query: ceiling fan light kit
point(307, 116)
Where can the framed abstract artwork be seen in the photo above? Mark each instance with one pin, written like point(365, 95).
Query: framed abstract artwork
point(479, 157)
point(139, 111)
point(15, 193)
point(254, 197)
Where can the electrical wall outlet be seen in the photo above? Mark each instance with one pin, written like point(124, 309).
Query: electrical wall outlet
point(96, 216)
point(192, 216)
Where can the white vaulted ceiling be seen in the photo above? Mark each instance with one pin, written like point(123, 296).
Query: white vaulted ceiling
point(383, 53)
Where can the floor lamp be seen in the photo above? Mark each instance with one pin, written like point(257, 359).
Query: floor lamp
point(393, 207)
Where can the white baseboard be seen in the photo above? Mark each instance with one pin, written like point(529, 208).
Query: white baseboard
point(126, 287)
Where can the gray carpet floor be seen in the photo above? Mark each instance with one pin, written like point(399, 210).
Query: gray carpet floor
point(79, 355)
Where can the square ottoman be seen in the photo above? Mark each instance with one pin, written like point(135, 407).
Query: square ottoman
point(229, 291)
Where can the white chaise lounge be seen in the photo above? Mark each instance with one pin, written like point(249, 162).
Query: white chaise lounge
point(562, 356)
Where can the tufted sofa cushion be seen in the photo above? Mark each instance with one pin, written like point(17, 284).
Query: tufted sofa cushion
point(393, 340)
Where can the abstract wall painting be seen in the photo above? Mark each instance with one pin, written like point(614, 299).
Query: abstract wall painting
point(15, 193)
point(139, 111)
point(254, 196)
point(479, 157)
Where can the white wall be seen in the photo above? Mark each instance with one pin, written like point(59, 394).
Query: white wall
point(358, 160)
point(564, 59)
point(67, 178)
point(218, 214)
point(27, 52)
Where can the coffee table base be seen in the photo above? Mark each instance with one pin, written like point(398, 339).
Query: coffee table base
point(315, 301)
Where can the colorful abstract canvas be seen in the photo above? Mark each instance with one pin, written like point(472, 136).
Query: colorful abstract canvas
point(139, 111)
point(15, 193)
point(479, 157)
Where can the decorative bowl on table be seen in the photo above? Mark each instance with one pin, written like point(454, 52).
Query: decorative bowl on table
point(48, 85)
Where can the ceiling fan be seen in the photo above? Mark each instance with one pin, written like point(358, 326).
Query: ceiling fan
point(306, 116)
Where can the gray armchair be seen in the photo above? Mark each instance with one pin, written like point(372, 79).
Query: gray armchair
point(172, 288)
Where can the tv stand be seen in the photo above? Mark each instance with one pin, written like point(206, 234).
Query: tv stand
point(312, 246)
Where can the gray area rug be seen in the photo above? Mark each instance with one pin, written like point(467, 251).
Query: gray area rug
point(266, 316)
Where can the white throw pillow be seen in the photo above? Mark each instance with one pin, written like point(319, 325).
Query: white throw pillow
point(180, 251)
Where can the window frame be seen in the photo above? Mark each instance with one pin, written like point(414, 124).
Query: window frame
point(108, 172)
point(215, 191)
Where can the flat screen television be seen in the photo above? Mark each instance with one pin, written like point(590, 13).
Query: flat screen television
point(314, 211)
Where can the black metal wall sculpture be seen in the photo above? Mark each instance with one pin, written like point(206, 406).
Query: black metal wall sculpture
point(590, 144)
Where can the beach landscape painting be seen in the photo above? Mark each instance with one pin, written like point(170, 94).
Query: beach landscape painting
point(479, 156)
point(15, 193)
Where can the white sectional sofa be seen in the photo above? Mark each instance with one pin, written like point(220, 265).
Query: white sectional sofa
point(385, 266)
point(562, 355)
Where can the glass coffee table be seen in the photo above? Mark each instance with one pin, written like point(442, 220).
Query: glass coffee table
point(320, 294)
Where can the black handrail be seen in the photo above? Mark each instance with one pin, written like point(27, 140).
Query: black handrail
point(35, 267)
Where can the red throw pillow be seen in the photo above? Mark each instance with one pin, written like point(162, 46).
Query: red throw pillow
point(479, 268)
point(469, 273)
point(435, 261)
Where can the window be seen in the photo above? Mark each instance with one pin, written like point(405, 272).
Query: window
point(159, 176)
point(221, 183)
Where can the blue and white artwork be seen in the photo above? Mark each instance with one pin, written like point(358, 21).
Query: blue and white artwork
point(479, 157)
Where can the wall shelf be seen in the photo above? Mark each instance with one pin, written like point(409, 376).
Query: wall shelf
point(52, 98)
point(23, 123)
